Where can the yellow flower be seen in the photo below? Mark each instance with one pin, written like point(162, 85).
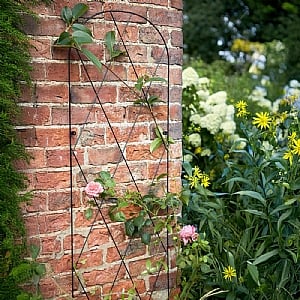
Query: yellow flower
point(241, 105)
point(205, 181)
point(197, 172)
point(229, 272)
point(292, 137)
point(288, 155)
point(262, 120)
point(193, 180)
point(241, 113)
point(296, 147)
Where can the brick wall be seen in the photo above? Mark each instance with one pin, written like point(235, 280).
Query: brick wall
point(45, 131)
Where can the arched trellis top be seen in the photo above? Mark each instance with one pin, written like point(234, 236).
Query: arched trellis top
point(81, 281)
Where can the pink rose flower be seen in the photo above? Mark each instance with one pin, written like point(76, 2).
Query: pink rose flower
point(188, 234)
point(93, 189)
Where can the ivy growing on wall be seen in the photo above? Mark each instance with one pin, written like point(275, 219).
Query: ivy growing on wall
point(14, 71)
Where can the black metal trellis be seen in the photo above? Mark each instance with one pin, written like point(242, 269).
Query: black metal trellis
point(78, 283)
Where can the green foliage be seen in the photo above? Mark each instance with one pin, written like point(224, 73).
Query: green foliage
point(14, 69)
point(250, 216)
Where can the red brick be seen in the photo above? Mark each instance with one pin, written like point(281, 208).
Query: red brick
point(51, 180)
point(54, 93)
point(51, 136)
point(88, 94)
point(142, 152)
point(177, 4)
point(59, 72)
point(92, 136)
point(138, 171)
point(53, 223)
point(90, 259)
point(150, 35)
point(165, 17)
point(104, 156)
point(50, 245)
point(38, 203)
point(137, 71)
point(62, 264)
point(123, 286)
point(177, 38)
point(173, 57)
point(36, 115)
point(40, 47)
point(176, 76)
point(161, 283)
point(97, 237)
point(112, 113)
point(123, 13)
point(78, 242)
point(37, 159)
point(133, 133)
point(157, 2)
point(79, 115)
point(82, 221)
point(135, 53)
point(48, 288)
point(61, 200)
point(109, 73)
point(99, 277)
point(57, 158)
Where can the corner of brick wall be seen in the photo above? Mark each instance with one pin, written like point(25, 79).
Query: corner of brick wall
point(45, 131)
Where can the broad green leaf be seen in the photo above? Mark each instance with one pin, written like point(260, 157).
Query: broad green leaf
point(265, 257)
point(116, 53)
point(80, 27)
point(129, 227)
point(139, 222)
point(79, 10)
point(92, 58)
point(88, 213)
point(64, 40)
point(152, 79)
point(119, 216)
point(253, 272)
point(67, 15)
point(252, 194)
point(40, 269)
point(146, 238)
point(156, 143)
point(187, 168)
point(81, 37)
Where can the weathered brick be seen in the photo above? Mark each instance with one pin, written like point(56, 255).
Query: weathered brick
point(57, 158)
point(38, 203)
point(88, 94)
point(50, 245)
point(177, 38)
point(97, 237)
point(49, 136)
point(53, 222)
point(151, 35)
point(109, 73)
point(40, 47)
point(51, 180)
point(36, 115)
point(58, 200)
point(173, 56)
point(164, 17)
point(104, 156)
point(123, 13)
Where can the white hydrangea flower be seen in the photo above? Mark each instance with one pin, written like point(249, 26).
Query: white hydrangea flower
point(294, 84)
point(211, 122)
point(220, 109)
point(189, 77)
point(196, 119)
point(228, 127)
point(205, 152)
point(217, 98)
point(202, 94)
point(195, 139)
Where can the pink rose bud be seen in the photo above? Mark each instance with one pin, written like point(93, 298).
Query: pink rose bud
point(188, 234)
point(93, 189)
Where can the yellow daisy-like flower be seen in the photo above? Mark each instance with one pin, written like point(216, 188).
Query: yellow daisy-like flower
point(205, 181)
point(193, 180)
point(241, 104)
point(296, 147)
point(229, 272)
point(242, 113)
point(292, 137)
point(289, 156)
point(197, 172)
point(262, 120)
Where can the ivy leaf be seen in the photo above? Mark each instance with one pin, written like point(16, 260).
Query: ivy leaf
point(80, 27)
point(129, 228)
point(67, 15)
point(79, 10)
point(146, 238)
point(92, 58)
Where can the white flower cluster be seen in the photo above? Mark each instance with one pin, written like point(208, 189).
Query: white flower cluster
point(214, 113)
